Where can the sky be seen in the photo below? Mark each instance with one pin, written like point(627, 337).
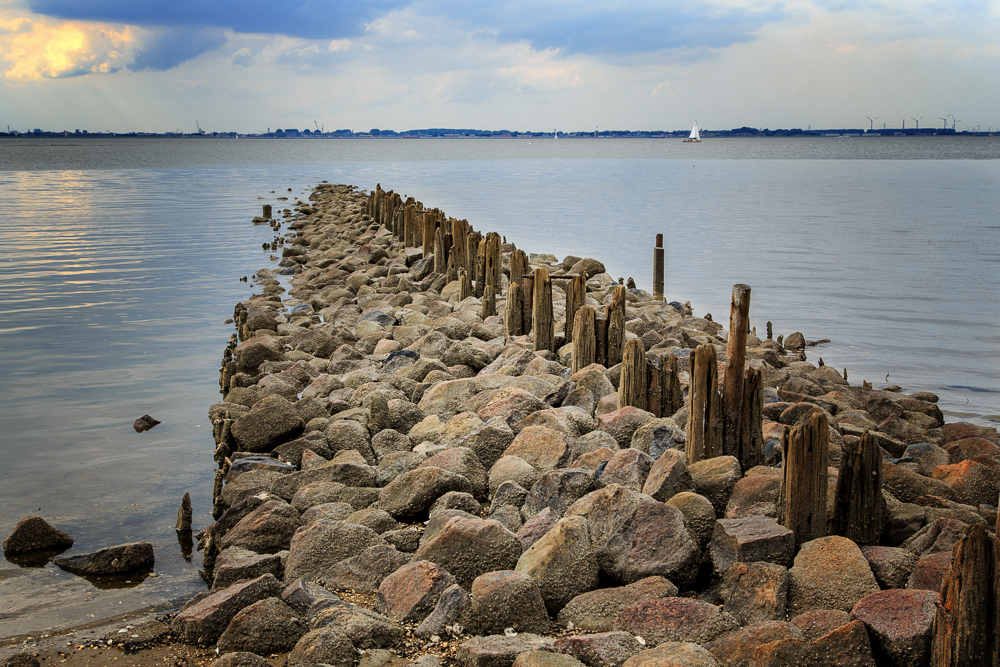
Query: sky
point(250, 65)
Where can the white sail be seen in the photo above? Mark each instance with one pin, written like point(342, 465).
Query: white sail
point(695, 135)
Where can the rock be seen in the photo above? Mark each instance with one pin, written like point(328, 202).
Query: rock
point(543, 448)
point(658, 436)
point(315, 548)
point(891, 566)
point(469, 547)
point(363, 627)
point(927, 456)
point(652, 541)
point(755, 592)
point(489, 441)
point(750, 540)
point(406, 540)
point(675, 620)
point(558, 489)
point(512, 469)
point(498, 650)
point(929, 571)
point(847, 645)
point(317, 493)
point(510, 493)
point(412, 592)
point(346, 435)
point(546, 659)
point(899, 622)
point(750, 493)
point(507, 599)
point(326, 646)
point(240, 659)
point(236, 563)
point(536, 527)
point(509, 517)
point(604, 649)
point(818, 622)
point(250, 354)
point(674, 654)
point(456, 500)
point(448, 398)
point(607, 511)
point(365, 572)
point(739, 648)
point(411, 494)
point(623, 423)
point(205, 620)
point(452, 608)
point(461, 461)
point(265, 627)
point(269, 423)
point(668, 476)
point(268, 528)
point(975, 483)
point(562, 562)
point(829, 573)
point(33, 533)
point(715, 478)
point(596, 611)
point(939, 536)
point(23, 659)
point(589, 267)
point(144, 423)
point(300, 595)
point(112, 560)
point(699, 515)
point(628, 468)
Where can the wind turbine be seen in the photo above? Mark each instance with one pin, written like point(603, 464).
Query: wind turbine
point(917, 120)
point(954, 122)
point(872, 126)
point(945, 126)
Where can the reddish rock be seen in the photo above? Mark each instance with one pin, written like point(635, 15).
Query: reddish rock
point(738, 648)
point(899, 622)
point(544, 448)
point(268, 528)
point(205, 620)
point(939, 536)
point(410, 593)
point(606, 510)
point(929, 571)
point(507, 599)
point(265, 627)
point(498, 650)
point(596, 611)
point(668, 476)
point(961, 430)
point(715, 479)
point(976, 483)
point(967, 448)
point(562, 562)
point(847, 646)
point(749, 540)
point(623, 423)
point(752, 490)
point(535, 527)
point(902, 430)
point(558, 489)
point(755, 592)
point(818, 622)
point(412, 493)
point(674, 654)
point(652, 541)
point(891, 566)
point(469, 547)
point(829, 573)
point(675, 620)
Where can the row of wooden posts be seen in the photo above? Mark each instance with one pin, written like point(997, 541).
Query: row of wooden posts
point(720, 422)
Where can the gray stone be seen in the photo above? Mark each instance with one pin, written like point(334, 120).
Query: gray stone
point(111, 560)
point(265, 627)
point(317, 547)
point(506, 599)
point(596, 611)
point(750, 540)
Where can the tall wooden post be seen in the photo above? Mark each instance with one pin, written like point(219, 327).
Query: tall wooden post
point(464, 287)
point(632, 384)
point(576, 296)
point(481, 268)
point(704, 426)
point(410, 225)
point(658, 268)
point(859, 507)
point(267, 211)
point(965, 630)
point(514, 310)
point(439, 256)
point(518, 266)
point(752, 421)
point(459, 233)
point(429, 227)
point(671, 395)
point(493, 267)
point(616, 326)
point(542, 311)
point(601, 336)
point(802, 500)
point(736, 352)
point(584, 340)
point(453, 264)
point(489, 306)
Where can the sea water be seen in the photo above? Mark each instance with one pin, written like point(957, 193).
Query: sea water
point(120, 260)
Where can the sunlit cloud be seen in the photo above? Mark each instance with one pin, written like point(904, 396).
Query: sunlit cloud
point(49, 49)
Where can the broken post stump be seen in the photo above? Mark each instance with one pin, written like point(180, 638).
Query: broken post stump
point(859, 507)
point(658, 268)
point(704, 427)
point(584, 339)
point(514, 310)
point(632, 384)
point(542, 318)
point(802, 499)
point(671, 395)
point(736, 352)
point(616, 326)
point(576, 296)
point(751, 451)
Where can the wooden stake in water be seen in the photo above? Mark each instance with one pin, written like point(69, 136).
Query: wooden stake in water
point(658, 268)
point(802, 500)
point(736, 352)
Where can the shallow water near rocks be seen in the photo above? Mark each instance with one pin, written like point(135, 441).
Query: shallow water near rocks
point(120, 261)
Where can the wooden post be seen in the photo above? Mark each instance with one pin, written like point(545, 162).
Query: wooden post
point(965, 624)
point(481, 268)
point(459, 233)
point(802, 500)
point(601, 341)
point(493, 261)
point(464, 287)
point(453, 264)
point(704, 426)
point(410, 226)
point(542, 311)
point(671, 395)
point(752, 421)
point(267, 211)
point(736, 352)
point(632, 385)
point(576, 296)
point(584, 339)
point(489, 307)
point(439, 256)
point(528, 302)
point(859, 507)
point(616, 326)
point(654, 394)
point(514, 310)
point(658, 268)
point(518, 266)
point(429, 227)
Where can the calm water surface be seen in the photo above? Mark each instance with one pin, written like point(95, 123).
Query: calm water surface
point(120, 259)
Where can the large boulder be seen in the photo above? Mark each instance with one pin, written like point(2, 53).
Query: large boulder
point(668, 476)
point(412, 592)
point(411, 494)
point(507, 599)
point(205, 620)
point(753, 539)
point(325, 646)
point(269, 423)
point(595, 611)
point(118, 559)
point(755, 592)
point(652, 541)
point(675, 620)
point(829, 573)
point(562, 562)
point(470, 547)
point(607, 511)
point(265, 627)
point(33, 533)
point(900, 624)
point(365, 572)
point(268, 528)
point(558, 489)
point(315, 548)
point(544, 448)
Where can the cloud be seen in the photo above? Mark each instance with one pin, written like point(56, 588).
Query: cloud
point(46, 49)
point(164, 48)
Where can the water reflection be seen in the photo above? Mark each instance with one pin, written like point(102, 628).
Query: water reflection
point(117, 581)
point(35, 558)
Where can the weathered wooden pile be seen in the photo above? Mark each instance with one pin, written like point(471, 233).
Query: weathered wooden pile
point(595, 477)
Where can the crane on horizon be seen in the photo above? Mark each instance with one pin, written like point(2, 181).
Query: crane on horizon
point(917, 121)
point(945, 121)
point(872, 126)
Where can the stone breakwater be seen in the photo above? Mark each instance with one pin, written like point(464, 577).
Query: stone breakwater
point(403, 482)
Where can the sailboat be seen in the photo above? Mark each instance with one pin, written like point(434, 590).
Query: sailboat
point(695, 135)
